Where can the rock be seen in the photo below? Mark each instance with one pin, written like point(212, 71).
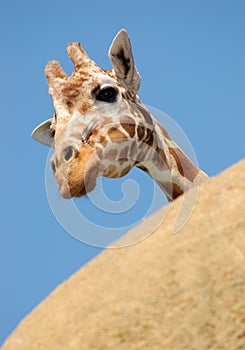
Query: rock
point(169, 291)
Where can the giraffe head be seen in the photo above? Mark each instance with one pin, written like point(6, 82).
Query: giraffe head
point(90, 107)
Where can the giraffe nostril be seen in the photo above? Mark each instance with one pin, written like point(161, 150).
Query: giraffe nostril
point(68, 153)
point(53, 166)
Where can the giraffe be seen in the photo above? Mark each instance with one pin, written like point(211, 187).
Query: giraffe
point(100, 126)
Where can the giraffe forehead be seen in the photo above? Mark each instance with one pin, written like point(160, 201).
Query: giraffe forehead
point(88, 80)
point(106, 78)
point(76, 93)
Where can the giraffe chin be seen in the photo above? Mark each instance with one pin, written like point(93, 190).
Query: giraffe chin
point(77, 191)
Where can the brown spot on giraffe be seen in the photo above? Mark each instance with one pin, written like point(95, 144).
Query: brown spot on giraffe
point(115, 134)
point(84, 107)
point(124, 153)
point(159, 158)
point(185, 167)
point(140, 132)
point(144, 149)
point(121, 161)
point(70, 104)
point(149, 138)
point(125, 170)
point(164, 131)
point(110, 171)
point(128, 124)
point(111, 155)
point(133, 150)
point(98, 138)
point(174, 152)
point(142, 167)
point(171, 189)
point(146, 115)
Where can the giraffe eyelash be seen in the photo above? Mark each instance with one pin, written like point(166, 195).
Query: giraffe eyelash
point(87, 133)
point(85, 141)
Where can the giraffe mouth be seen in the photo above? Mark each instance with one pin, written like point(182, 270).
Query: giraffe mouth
point(77, 191)
point(83, 190)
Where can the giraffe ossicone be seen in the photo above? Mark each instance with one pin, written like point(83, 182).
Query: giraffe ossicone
point(101, 128)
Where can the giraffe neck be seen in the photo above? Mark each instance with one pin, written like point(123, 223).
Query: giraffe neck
point(172, 170)
point(144, 143)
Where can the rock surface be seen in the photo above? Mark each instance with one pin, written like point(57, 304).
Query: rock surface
point(182, 291)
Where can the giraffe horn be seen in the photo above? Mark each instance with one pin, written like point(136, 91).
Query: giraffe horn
point(53, 71)
point(78, 56)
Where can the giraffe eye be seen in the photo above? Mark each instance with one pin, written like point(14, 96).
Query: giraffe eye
point(107, 94)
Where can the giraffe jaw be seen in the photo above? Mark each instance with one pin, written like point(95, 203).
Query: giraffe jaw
point(76, 191)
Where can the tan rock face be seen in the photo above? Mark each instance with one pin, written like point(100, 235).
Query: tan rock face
point(183, 291)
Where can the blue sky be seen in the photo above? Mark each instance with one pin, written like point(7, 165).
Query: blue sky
point(190, 55)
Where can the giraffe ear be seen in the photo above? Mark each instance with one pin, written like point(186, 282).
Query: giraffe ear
point(122, 59)
point(43, 133)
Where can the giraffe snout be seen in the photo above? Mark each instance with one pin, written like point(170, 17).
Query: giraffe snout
point(66, 155)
